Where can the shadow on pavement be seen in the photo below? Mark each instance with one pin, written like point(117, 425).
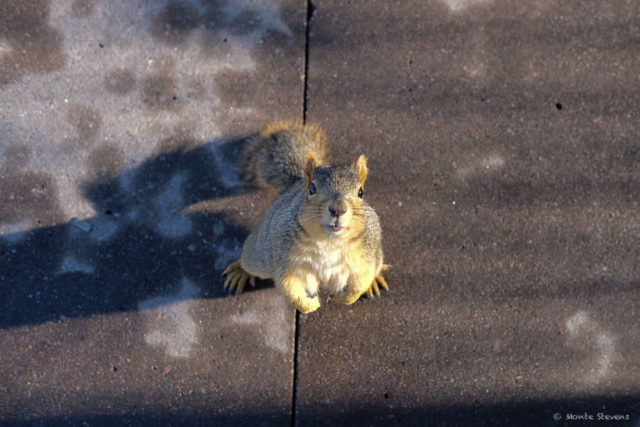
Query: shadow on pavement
point(143, 240)
point(618, 411)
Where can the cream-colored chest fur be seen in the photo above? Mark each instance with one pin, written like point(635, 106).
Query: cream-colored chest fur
point(326, 267)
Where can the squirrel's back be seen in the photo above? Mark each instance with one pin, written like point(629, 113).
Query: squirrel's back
point(276, 157)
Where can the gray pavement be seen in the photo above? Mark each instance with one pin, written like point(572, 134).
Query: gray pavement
point(503, 147)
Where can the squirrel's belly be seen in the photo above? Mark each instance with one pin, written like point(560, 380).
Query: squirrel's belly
point(333, 279)
point(330, 270)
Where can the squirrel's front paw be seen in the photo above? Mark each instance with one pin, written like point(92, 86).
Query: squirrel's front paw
point(345, 298)
point(237, 277)
point(307, 305)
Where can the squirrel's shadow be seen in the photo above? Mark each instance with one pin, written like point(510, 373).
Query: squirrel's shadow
point(151, 232)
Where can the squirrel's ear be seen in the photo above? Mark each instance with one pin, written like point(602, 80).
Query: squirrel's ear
point(309, 167)
point(360, 166)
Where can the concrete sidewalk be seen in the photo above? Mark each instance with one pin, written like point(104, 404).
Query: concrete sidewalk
point(503, 145)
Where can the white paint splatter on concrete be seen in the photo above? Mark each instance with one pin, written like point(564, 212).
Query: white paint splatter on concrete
point(35, 108)
point(267, 13)
point(227, 251)
point(491, 162)
point(494, 161)
point(170, 324)
point(5, 48)
point(606, 345)
point(249, 318)
point(80, 224)
point(476, 68)
point(15, 232)
point(459, 5)
point(218, 229)
point(593, 340)
point(103, 228)
point(576, 323)
point(227, 172)
point(171, 221)
point(270, 317)
point(70, 264)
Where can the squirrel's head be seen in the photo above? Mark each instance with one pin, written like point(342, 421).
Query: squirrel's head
point(334, 200)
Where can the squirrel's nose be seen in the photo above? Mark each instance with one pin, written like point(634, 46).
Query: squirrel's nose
point(338, 210)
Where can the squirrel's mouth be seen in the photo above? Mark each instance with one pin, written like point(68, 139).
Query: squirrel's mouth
point(334, 228)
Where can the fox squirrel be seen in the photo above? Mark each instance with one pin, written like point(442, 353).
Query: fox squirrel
point(320, 234)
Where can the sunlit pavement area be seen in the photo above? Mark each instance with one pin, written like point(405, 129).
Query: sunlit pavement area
point(504, 149)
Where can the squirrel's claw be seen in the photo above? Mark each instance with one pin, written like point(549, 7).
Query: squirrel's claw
point(374, 289)
point(382, 282)
point(237, 278)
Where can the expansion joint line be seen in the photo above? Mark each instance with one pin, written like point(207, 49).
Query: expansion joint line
point(310, 9)
point(305, 94)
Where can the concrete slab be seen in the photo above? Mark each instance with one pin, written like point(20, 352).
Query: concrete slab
point(119, 207)
point(503, 150)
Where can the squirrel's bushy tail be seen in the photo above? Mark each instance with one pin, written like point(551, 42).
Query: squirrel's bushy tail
point(276, 157)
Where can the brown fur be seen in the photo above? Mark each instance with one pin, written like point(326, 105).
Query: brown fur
point(325, 240)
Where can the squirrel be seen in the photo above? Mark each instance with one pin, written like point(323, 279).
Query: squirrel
point(319, 234)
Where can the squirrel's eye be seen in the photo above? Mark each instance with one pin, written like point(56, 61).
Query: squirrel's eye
point(360, 193)
point(312, 189)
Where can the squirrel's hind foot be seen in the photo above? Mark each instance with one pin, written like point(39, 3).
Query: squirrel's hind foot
point(374, 289)
point(237, 277)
